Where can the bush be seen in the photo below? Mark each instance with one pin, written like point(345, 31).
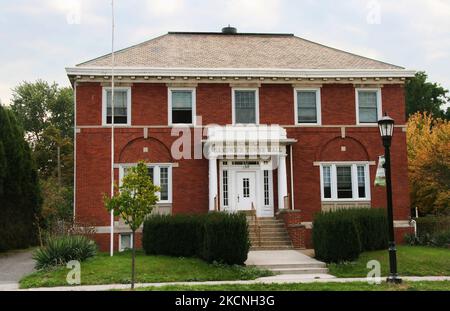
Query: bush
point(432, 224)
point(225, 238)
point(218, 237)
point(178, 235)
point(342, 235)
point(60, 250)
point(441, 239)
point(335, 237)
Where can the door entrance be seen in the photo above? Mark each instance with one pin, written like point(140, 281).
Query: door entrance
point(246, 190)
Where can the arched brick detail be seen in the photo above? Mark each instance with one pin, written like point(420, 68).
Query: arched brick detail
point(332, 150)
point(157, 152)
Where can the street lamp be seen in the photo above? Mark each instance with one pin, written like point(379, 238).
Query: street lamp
point(386, 126)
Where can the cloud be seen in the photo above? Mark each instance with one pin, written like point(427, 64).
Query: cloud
point(258, 14)
point(165, 7)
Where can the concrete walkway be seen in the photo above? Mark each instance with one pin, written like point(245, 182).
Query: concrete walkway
point(13, 266)
point(279, 279)
point(286, 262)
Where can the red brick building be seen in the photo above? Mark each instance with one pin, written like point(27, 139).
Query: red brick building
point(275, 122)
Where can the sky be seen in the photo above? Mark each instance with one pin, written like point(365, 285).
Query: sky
point(39, 38)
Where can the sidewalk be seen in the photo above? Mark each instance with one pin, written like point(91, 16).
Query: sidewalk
point(286, 278)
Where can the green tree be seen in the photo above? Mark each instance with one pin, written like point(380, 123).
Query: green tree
point(20, 197)
point(424, 96)
point(133, 201)
point(39, 104)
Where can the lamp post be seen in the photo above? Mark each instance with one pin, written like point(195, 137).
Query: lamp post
point(386, 126)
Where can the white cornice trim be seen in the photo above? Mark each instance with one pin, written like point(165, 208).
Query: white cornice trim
point(242, 72)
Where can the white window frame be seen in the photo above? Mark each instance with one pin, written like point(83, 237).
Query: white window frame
point(156, 177)
point(333, 176)
point(318, 106)
point(104, 97)
point(379, 104)
point(169, 105)
point(233, 102)
point(121, 249)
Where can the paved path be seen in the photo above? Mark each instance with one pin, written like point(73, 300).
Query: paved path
point(13, 266)
point(280, 279)
point(278, 257)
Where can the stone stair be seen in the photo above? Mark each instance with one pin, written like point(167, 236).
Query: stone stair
point(272, 233)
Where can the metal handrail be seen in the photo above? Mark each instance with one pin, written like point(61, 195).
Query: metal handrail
point(257, 225)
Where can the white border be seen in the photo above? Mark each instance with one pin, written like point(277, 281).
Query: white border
point(156, 177)
point(354, 173)
point(107, 88)
point(120, 240)
point(318, 106)
point(379, 104)
point(233, 109)
point(242, 72)
point(169, 105)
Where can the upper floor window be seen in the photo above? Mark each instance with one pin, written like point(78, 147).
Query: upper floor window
point(307, 106)
point(245, 106)
point(122, 106)
point(181, 106)
point(368, 105)
point(344, 181)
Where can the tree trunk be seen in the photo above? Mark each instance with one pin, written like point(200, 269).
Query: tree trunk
point(133, 255)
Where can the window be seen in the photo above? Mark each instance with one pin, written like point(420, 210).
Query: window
point(225, 187)
point(327, 182)
point(246, 187)
point(122, 106)
point(181, 106)
point(368, 105)
point(307, 106)
point(161, 175)
point(125, 241)
point(245, 106)
point(345, 181)
point(266, 188)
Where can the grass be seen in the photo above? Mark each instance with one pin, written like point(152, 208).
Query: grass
point(104, 269)
point(411, 261)
point(353, 286)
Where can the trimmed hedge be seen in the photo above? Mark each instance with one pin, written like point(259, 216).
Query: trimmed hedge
point(219, 237)
point(342, 235)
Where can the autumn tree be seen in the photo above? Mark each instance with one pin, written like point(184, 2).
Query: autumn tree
point(428, 143)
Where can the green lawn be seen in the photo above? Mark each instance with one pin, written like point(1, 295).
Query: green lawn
point(353, 286)
point(103, 269)
point(411, 260)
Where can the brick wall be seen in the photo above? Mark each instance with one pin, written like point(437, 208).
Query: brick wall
point(190, 177)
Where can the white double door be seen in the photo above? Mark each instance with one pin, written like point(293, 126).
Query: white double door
point(251, 188)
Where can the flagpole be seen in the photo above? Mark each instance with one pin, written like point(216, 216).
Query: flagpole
point(112, 128)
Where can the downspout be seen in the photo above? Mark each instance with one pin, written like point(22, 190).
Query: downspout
point(112, 128)
point(74, 149)
point(291, 147)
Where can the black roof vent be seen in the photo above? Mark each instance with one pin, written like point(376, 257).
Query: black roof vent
point(229, 30)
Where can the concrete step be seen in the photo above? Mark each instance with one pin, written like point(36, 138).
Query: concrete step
point(272, 244)
point(300, 270)
point(270, 248)
point(267, 226)
point(271, 239)
point(302, 265)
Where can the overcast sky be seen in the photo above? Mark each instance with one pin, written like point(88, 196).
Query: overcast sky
point(39, 38)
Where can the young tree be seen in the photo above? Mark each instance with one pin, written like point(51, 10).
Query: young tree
point(428, 143)
point(133, 201)
point(424, 96)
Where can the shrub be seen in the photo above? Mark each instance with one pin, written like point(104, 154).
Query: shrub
point(372, 228)
point(342, 234)
point(218, 237)
point(60, 250)
point(432, 224)
point(335, 237)
point(225, 238)
point(178, 235)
